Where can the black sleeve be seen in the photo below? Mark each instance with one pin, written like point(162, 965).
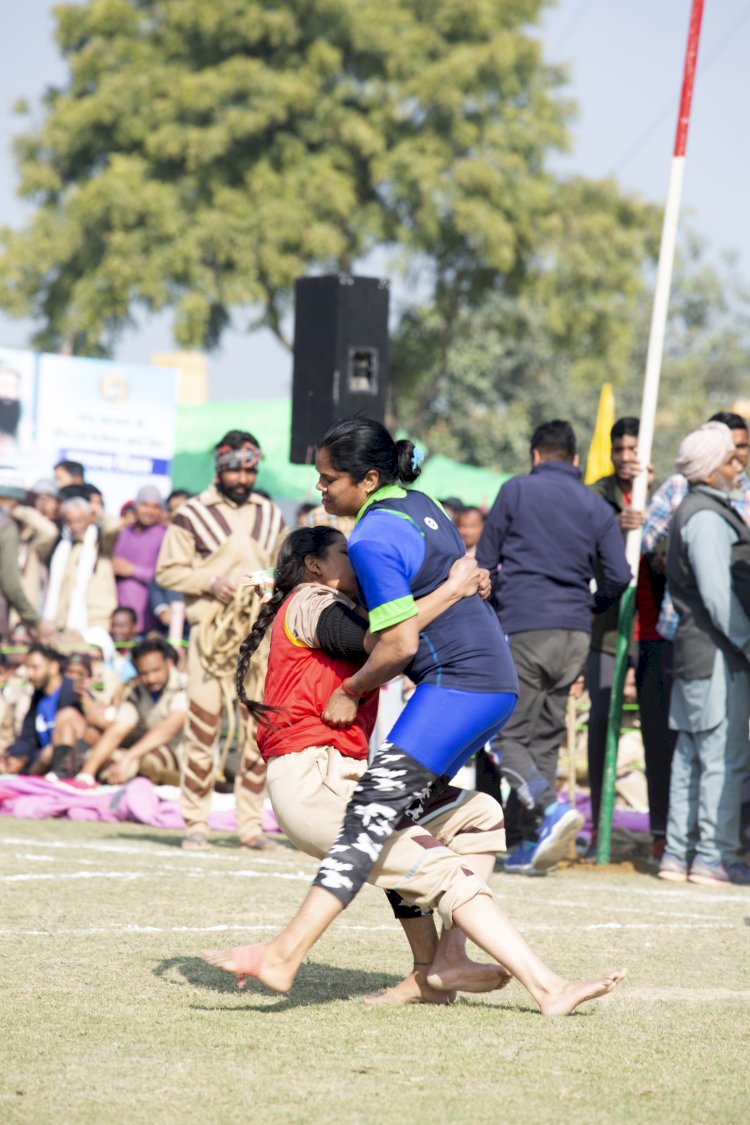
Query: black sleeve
point(27, 743)
point(68, 696)
point(341, 633)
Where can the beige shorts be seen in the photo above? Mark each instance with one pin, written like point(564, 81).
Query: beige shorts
point(309, 792)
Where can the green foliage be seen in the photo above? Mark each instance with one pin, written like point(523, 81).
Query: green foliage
point(202, 156)
point(516, 359)
point(706, 349)
point(510, 363)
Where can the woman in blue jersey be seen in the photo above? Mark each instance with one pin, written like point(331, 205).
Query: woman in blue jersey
point(402, 548)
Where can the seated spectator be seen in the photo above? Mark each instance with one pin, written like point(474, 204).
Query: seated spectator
point(470, 525)
point(67, 473)
point(81, 591)
point(96, 696)
point(135, 555)
point(54, 720)
point(148, 726)
point(7, 705)
point(123, 630)
point(17, 690)
point(711, 688)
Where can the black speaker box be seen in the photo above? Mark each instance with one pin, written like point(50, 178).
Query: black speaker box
point(340, 355)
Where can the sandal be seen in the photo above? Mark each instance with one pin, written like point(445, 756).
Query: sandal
point(195, 842)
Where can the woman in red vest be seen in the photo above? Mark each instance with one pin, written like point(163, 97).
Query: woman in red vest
point(301, 678)
point(318, 638)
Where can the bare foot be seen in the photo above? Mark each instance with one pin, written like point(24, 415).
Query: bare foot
point(467, 976)
point(572, 993)
point(252, 961)
point(413, 989)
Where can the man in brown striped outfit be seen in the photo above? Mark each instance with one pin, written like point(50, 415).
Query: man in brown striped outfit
point(214, 540)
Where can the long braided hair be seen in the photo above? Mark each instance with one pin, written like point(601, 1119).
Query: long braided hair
point(290, 572)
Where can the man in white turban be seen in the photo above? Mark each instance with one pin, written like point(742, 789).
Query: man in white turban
point(710, 702)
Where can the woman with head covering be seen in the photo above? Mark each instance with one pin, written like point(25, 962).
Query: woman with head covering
point(135, 555)
point(710, 702)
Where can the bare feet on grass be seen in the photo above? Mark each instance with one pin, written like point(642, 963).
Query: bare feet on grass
point(563, 1000)
point(413, 989)
point(254, 962)
point(467, 976)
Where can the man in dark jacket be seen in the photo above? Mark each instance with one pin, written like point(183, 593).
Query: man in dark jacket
point(549, 535)
point(54, 720)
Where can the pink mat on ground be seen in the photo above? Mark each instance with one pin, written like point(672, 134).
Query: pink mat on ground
point(621, 818)
point(35, 798)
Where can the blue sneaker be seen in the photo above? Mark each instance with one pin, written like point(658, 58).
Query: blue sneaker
point(560, 824)
point(518, 862)
point(719, 874)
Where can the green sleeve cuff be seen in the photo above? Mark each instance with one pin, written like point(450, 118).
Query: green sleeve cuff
point(391, 613)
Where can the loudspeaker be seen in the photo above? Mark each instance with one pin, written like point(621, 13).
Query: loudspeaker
point(340, 355)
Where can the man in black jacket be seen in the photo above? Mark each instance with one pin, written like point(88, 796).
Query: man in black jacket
point(54, 721)
point(549, 534)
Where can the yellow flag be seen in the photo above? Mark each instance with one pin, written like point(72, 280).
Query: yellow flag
point(599, 463)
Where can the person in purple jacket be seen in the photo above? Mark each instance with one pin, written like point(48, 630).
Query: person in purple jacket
point(549, 535)
point(135, 555)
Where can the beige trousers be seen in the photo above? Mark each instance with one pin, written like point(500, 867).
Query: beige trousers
point(309, 792)
point(200, 754)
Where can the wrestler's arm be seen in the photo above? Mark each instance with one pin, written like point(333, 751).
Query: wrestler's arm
point(397, 624)
point(343, 634)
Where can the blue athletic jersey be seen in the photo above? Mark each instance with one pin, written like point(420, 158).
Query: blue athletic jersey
point(46, 716)
point(402, 548)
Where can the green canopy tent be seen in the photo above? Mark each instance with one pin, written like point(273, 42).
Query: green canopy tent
point(442, 476)
point(200, 427)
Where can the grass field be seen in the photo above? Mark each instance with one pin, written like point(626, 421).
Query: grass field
point(109, 1015)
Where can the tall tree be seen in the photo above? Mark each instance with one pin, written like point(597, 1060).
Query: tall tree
point(513, 360)
point(513, 363)
point(203, 155)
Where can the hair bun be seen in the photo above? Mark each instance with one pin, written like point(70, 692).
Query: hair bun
point(408, 466)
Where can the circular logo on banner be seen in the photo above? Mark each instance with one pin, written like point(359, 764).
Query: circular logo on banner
point(113, 387)
point(431, 522)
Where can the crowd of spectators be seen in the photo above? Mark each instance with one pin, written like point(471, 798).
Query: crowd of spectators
point(549, 542)
point(82, 625)
point(115, 659)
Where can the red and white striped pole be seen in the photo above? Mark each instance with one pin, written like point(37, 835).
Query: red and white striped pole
point(646, 432)
point(664, 282)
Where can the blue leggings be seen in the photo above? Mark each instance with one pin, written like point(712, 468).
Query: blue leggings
point(436, 734)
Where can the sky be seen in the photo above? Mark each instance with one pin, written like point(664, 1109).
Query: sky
point(624, 60)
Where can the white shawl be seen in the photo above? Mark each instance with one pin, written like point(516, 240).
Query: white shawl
point(77, 617)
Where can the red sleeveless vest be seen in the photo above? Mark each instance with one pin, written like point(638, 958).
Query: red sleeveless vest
point(299, 682)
